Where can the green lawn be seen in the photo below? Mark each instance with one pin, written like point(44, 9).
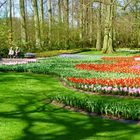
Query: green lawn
point(117, 53)
point(25, 116)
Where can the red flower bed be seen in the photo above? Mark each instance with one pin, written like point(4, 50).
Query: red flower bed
point(126, 82)
point(120, 64)
point(127, 86)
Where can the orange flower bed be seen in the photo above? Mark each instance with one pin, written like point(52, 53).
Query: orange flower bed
point(120, 65)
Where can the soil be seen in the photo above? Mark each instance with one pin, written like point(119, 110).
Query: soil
point(95, 114)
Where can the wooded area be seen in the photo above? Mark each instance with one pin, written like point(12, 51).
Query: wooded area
point(40, 25)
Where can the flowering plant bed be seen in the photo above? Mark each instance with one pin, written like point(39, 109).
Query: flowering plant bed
point(18, 61)
point(117, 86)
point(119, 65)
point(125, 86)
point(106, 82)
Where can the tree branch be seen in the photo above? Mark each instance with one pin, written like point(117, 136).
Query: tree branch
point(2, 4)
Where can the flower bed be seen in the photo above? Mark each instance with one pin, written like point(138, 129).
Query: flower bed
point(121, 108)
point(106, 82)
point(119, 65)
point(127, 86)
point(18, 62)
point(116, 75)
point(122, 86)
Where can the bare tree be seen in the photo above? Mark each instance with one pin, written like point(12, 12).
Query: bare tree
point(99, 29)
point(108, 31)
point(41, 19)
point(23, 22)
point(50, 19)
point(10, 33)
point(36, 23)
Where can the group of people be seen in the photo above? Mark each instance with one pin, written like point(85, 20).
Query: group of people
point(14, 53)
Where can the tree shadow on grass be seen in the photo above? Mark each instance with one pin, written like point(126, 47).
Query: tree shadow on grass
point(61, 124)
point(47, 122)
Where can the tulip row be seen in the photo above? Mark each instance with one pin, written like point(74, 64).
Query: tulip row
point(127, 86)
point(124, 108)
point(120, 59)
point(121, 68)
point(119, 65)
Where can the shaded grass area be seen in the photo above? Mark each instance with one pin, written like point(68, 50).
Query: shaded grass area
point(90, 51)
point(25, 116)
point(58, 52)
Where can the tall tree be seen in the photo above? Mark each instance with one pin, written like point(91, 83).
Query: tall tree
point(23, 22)
point(59, 19)
point(137, 21)
point(108, 31)
point(72, 13)
point(86, 20)
point(36, 22)
point(10, 33)
point(86, 17)
point(91, 21)
point(59, 12)
point(99, 29)
point(66, 12)
point(41, 19)
point(66, 21)
point(81, 21)
point(50, 19)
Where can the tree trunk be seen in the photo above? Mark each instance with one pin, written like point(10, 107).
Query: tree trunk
point(138, 36)
point(10, 32)
point(99, 30)
point(50, 20)
point(108, 31)
point(59, 20)
point(86, 18)
point(23, 22)
point(36, 22)
point(66, 12)
point(137, 23)
point(90, 22)
point(41, 20)
point(66, 21)
point(114, 30)
point(59, 12)
point(81, 21)
point(72, 13)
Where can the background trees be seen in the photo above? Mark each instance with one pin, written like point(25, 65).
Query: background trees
point(38, 25)
point(23, 22)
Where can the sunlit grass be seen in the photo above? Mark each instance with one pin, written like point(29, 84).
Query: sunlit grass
point(25, 116)
point(117, 53)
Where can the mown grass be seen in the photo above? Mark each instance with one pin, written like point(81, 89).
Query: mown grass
point(58, 52)
point(117, 53)
point(25, 116)
point(87, 51)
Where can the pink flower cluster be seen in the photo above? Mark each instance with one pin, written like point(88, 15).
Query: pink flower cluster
point(128, 90)
point(137, 58)
point(109, 89)
point(135, 67)
point(22, 61)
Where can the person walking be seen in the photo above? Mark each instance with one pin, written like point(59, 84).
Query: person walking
point(17, 52)
point(11, 52)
